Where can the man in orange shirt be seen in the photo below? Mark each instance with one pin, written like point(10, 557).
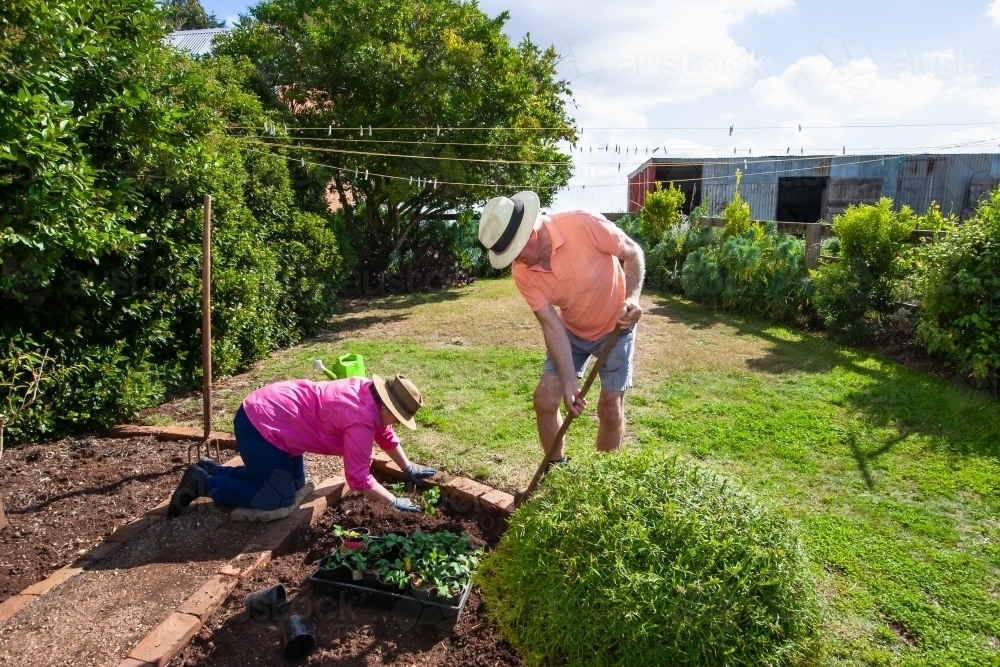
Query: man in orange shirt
point(570, 260)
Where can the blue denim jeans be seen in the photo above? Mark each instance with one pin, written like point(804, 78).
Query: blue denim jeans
point(268, 478)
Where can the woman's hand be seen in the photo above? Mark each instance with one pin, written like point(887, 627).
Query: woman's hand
point(404, 505)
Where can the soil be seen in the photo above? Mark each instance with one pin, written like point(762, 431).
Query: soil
point(348, 634)
point(63, 498)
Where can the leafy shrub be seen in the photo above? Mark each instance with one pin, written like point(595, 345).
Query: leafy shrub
point(100, 231)
point(737, 212)
point(959, 279)
point(661, 212)
point(666, 259)
point(760, 270)
point(640, 559)
point(872, 238)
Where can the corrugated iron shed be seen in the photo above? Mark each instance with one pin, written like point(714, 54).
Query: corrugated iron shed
point(823, 186)
point(195, 42)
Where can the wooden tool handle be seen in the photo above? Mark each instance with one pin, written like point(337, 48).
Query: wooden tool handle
point(598, 365)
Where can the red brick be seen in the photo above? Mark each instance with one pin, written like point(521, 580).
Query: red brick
point(206, 600)
point(127, 532)
point(53, 580)
point(499, 501)
point(379, 455)
point(246, 564)
point(12, 605)
point(133, 430)
point(282, 532)
point(181, 433)
point(98, 552)
point(440, 478)
point(132, 662)
point(388, 468)
point(465, 489)
point(159, 510)
point(166, 640)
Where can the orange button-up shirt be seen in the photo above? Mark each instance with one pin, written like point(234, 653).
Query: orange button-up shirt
point(586, 281)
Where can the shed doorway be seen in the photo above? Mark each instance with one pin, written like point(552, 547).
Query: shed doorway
point(800, 198)
point(687, 178)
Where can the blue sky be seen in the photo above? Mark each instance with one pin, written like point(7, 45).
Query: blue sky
point(641, 66)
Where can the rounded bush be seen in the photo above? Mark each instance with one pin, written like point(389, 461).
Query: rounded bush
point(642, 559)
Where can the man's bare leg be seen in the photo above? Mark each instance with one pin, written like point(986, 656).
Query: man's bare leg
point(611, 414)
point(547, 399)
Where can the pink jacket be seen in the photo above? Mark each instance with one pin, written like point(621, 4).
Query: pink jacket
point(339, 418)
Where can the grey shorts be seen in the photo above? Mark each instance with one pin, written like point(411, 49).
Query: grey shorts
point(617, 372)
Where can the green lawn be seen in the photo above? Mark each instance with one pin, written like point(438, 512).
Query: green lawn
point(892, 475)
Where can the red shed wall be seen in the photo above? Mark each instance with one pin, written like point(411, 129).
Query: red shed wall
point(638, 185)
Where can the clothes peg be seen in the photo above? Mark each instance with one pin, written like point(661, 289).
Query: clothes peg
point(369, 130)
point(730, 130)
point(329, 130)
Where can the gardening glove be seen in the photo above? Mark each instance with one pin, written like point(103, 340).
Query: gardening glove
point(415, 473)
point(404, 505)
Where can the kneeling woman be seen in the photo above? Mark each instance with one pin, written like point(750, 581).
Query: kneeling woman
point(278, 423)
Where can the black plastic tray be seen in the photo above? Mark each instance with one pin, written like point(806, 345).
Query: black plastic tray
point(402, 604)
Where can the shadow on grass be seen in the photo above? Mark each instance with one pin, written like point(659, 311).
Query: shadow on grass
point(960, 420)
point(404, 301)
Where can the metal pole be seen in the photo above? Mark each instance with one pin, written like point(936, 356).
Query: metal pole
point(206, 315)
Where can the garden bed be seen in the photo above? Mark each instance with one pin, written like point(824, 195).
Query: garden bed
point(64, 497)
point(346, 632)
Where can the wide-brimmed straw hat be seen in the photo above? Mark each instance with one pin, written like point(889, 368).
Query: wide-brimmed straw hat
point(401, 397)
point(505, 226)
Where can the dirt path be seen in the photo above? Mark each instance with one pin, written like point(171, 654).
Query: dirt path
point(97, 616)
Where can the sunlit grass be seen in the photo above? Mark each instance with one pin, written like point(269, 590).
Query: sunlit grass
point(892, 475)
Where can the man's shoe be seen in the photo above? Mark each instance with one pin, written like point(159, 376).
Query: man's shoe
point(193, 485)
point(558, 462)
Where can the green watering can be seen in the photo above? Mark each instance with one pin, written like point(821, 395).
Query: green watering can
point(346, 365)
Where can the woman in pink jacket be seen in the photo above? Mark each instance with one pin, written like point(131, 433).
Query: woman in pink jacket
point(278, 423)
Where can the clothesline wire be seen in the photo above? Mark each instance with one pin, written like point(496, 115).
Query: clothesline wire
point(343, 151)
point(427, 181)
point(726, 128)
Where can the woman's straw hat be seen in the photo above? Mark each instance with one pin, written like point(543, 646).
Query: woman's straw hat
point(505, 226)
point(401, 397)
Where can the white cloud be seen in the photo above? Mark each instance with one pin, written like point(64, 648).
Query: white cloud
point(643, 55)
point(818, 88)
point(232, 20)
point(993, 12)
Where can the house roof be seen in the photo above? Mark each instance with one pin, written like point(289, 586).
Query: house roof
point(195, 42)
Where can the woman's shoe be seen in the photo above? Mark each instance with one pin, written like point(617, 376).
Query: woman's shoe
point(194, 484)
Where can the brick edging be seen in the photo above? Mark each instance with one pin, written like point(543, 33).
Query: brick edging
point(462, 488)
point(171, 434)
point(175, 632)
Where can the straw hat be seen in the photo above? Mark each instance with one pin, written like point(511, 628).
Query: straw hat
point(401, 397)
point(506, 224)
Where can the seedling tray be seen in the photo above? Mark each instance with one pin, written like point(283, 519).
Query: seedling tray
point(335, 581)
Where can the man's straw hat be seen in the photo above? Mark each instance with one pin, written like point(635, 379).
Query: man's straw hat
point(505, 226)
point(401, 397)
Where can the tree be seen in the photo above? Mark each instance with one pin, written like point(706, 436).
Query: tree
point(353, 64)
point(189, 15)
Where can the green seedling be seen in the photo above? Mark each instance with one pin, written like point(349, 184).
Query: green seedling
point(398, 487)
point(431, 498)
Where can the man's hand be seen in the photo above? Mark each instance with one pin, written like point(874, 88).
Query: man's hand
point(403, 505)
point(575, 404)
point(630, 314)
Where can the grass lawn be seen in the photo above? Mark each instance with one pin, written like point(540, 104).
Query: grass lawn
point(892, 475)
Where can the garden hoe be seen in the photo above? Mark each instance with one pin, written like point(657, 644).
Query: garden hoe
point(521, 496)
